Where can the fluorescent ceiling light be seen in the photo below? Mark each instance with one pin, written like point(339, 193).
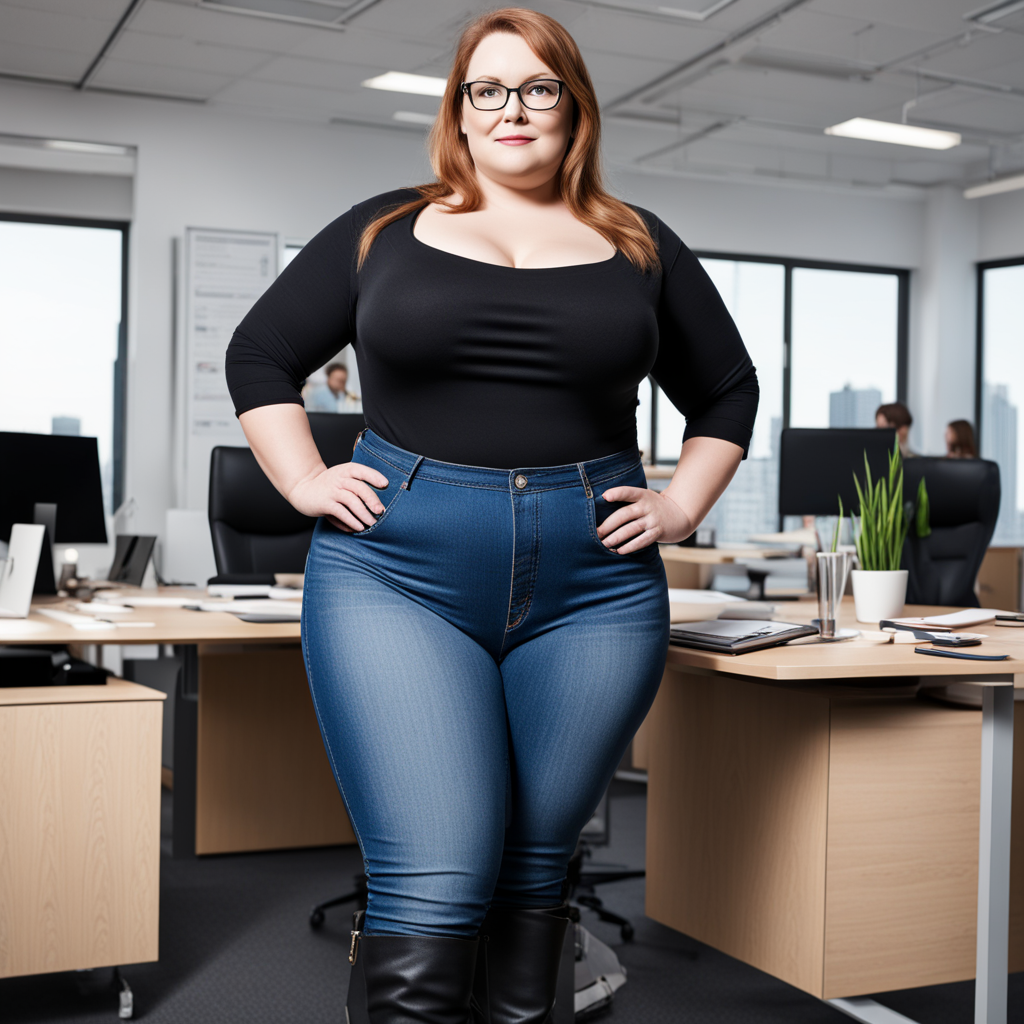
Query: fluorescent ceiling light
point(68, 146)
point(400, 81)
point(992, 188)
point(412, 117)
point(891, 131)
point(995, 11)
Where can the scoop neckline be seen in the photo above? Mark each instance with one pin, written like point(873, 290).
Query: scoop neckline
point(576, 267)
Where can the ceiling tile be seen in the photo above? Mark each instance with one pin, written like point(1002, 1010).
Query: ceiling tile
point(38, 62)
point(187, 21)
point(135, 76)
point(318, 74)
point(944, 17)
point(184, 54)
point(108, 11)
point(612, 32)
point(363, 47)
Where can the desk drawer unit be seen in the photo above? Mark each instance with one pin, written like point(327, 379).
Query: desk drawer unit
point(79, 826)
point(826, 835)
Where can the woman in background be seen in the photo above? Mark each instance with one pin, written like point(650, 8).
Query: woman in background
point(960, 440)
point(485, 615)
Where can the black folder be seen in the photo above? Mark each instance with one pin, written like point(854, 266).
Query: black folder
point(736, 636)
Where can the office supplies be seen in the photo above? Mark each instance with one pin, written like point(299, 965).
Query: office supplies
point(737, 636)
point(131, 558)
point(833, 568)
point(257, 610)
point(84, 622)
point(55, 469)
point(239, 589)
point(963, 497)
point(18, 573)
point(960, 654)
point(816, 467)
point(1010, 619)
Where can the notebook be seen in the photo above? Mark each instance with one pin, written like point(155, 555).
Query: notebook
point(737, 636)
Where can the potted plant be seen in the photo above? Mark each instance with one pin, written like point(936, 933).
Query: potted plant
point(880, 585)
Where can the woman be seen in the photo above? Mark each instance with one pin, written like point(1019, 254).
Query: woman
point(960, 440)
point(485, 617)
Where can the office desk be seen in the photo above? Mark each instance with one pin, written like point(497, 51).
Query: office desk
point(250, 772)
point(79, 826)
point(809, 815)
point(694, 568)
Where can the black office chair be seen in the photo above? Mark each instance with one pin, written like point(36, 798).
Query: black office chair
point(963, 495)
point(256, 533)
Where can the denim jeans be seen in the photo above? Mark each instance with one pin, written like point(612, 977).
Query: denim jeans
point(479, 662)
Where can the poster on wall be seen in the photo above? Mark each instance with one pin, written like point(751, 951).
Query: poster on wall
point(223, 274)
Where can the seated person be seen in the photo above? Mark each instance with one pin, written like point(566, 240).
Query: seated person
point(896, 416)
point(960, 441)
point(333, 396)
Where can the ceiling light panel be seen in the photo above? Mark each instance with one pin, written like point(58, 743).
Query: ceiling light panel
point(895, 133)
point(401, 81)
point(993, 188)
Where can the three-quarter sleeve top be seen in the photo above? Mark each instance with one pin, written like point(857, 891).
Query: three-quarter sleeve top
point(486, 365)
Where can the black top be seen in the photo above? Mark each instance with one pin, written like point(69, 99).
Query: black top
point(483, 365)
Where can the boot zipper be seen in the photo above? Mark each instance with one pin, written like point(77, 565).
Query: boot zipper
point(353, 950)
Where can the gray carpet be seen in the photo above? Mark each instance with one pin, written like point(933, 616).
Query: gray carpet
point(236, 947)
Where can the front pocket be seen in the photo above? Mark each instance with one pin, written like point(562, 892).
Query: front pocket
point(367, 530)
point(600, 510)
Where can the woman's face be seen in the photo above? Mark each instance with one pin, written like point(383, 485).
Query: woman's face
point(515, 146)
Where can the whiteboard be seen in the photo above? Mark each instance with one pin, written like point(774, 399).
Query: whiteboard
point(223, 274)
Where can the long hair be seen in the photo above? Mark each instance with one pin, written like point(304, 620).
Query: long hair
point(580, 183)
point(963, 446)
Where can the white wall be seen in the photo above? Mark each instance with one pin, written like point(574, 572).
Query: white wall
point(1002, 226)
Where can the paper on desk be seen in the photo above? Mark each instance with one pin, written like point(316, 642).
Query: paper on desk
point(159, 602)
point(239, 589)
point(275, 609)
point(952, 620)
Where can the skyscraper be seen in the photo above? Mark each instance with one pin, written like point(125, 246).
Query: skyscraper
point(852, 408)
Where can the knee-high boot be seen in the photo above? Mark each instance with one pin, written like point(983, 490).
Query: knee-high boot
point(517, 973)
point(409, 979)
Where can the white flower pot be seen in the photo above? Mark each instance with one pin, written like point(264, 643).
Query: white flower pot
point(879, 594)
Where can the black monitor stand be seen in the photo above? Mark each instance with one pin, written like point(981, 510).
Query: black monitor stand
point(45, 514)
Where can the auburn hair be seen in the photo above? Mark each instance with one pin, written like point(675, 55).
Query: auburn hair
point(579, 180)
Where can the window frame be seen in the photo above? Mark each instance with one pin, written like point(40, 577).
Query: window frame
point(789, 264)
point(979, 340)
point(121, 361)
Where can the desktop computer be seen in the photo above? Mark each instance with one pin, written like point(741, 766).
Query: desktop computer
point(53, 480)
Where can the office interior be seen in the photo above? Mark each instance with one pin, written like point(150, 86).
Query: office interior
point(860, 272)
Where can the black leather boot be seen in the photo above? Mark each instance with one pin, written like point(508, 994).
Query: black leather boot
point(409, 979)
point(517, 973)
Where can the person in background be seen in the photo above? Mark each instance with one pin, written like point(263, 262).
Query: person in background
point(896, 416)
point(960, 440)
point(333, 396)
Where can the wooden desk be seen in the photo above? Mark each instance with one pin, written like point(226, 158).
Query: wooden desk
point(250, 772)
point(694, 568)
point(809, 815)
point(79, 826)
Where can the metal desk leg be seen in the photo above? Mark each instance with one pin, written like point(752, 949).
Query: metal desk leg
point(994, 855)
point(186, 728)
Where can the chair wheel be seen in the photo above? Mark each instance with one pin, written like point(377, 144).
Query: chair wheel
point(626, 931)
point(316, 918)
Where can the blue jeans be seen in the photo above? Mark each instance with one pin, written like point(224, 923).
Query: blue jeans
point(479, 662)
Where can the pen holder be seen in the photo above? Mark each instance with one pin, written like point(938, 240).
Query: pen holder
point(833, 568)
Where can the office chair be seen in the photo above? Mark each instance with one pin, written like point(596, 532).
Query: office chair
point(963, 495)
point(255, 531)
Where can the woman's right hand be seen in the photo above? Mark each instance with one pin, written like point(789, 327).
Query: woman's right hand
point(344, 494)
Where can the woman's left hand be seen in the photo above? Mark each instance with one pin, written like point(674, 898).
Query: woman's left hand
point(650, 517)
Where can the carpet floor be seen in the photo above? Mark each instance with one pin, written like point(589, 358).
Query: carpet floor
point(236, 946)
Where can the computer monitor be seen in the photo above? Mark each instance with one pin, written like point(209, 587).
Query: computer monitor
point(58, 469)
point(816, 467)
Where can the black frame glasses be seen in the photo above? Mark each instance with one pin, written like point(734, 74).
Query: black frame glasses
point(467, 91)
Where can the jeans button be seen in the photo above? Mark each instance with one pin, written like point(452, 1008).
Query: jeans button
point(520, 481)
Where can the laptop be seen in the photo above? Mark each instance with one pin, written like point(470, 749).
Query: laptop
point(18, 573)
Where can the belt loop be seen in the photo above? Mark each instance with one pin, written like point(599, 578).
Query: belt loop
point(412, 473)
point(359, 437)
point(583, 477)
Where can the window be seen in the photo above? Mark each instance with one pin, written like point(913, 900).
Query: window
point(62, 338)
point(829, 344)
point(1001, 387)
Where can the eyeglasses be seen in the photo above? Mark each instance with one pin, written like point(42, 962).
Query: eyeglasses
point(540, 94)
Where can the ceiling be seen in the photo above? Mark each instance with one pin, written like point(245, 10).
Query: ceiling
point(722, 88)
